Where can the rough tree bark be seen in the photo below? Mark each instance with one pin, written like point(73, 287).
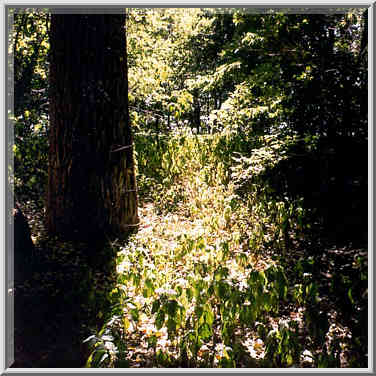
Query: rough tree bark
point(91, 185)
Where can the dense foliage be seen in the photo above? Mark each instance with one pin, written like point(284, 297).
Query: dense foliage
point(250, 134)
point(203, 283)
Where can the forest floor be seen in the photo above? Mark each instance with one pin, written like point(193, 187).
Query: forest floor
point(170, 276)
point(188, 263)
point(168, 237)
point(52, 312)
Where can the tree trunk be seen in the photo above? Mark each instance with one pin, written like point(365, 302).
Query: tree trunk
point(91, 185)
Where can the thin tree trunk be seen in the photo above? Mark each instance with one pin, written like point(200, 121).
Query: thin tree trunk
point(92, 186)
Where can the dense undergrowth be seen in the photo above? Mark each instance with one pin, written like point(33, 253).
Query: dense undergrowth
point(226, 270)
point(223, 273)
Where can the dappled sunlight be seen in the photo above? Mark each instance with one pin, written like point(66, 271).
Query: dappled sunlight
point(177, 246)
point(200, 285)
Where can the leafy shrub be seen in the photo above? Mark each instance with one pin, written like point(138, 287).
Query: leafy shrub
point(30, 152)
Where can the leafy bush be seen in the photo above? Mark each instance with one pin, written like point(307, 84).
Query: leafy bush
point(30, 152)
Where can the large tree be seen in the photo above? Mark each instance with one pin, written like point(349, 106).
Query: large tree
point(91, 186)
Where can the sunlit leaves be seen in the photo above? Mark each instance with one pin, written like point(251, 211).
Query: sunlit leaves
point(159, 58)
point(200, 289)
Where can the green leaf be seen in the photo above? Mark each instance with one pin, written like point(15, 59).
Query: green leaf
point(262, 278)
point(126, 323)
point(253, 277)
point(224, 272)
point(189, 293)
point(135, 314)
point(159, 321)
point(289, 360)
point(205, 331)
point(171, 325)
point(172, 307)
point(247, 315)
point(97, 358)
point(221, 289)
point(208, 315)
point(155, 306)
point(198, 311)
point(149, 284)
point(199, 287)
point(349, 293)
point(152, 340)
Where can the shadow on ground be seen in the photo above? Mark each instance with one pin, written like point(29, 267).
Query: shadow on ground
point(59, 289)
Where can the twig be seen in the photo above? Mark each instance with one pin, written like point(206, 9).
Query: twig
point(133, 225)
point(121, 148)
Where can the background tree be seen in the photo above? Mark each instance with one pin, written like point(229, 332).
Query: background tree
point(91, 184)
point(304, 76)
point(164, 64)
